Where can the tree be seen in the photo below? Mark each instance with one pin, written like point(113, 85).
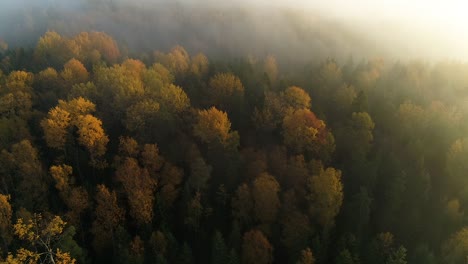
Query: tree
point(74, 72)
point(256, 248)
point(296, 98)
point(54, 50)
point(345, 257)
point(75, 113)
point(108, 216)
point(19, 81)
point(5, 220)
point(398, 256)
point(43, 235)
point(177, 60)
point(306, 257)
point(200, 171)
point(158, 243)
point(25, 169)
point(225, 89)
point(358, 136)
point(219, 251)
point(76, 198)
point(270, 68)
point(455, 249)
point(214, 128)
point(169, 182)
point(141, 115)
point(265, 190)
point(199, 65)
point(94, 46)
point(55, 127)
point(91, 135)
point(194, 213)
point(296, 231)
point(139, 188)
point(242, 205)
point(120, 85)
point(325, 196)
point(303, 131)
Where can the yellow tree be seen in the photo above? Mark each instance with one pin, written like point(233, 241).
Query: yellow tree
point(54, 50)
point(296, 98)
point(120, 84)
point(19, 81)
point(75, 113)
point(43, 236)
point(76, 198)
point(94, 46)
point(303, 131)
point(177, 60)
point(91, 135)
point(5, 219)
point(74, 72)
point(325, 196)
point(199, 65)
point(25, 168)
point(213, 128)
point(55, 127)
point(224, 90)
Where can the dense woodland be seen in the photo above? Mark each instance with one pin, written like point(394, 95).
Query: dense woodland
point(170, 157)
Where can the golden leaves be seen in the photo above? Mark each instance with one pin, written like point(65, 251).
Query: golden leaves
point(75, 113)
point(326, 196)
point(61, 175)
point(55, 127)
point(91, 135)
point(213, 126)
point(302, 130)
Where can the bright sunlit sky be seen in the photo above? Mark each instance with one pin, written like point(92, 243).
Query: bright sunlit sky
point(441, 25)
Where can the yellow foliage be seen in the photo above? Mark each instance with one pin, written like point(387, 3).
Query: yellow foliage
point(63, 258)
point(326, 196)
point(61, 176)
point(74, 71)
point(139, 187)
point(177, 60)
point(265, 196)
point(199, 65)
point(91, 135)
point(55, 127)
point(23, 256)
point(19, 81)
point(296, 98)
point(77, 106)
point(213, 126)
point(5, 214)
point(302, 130)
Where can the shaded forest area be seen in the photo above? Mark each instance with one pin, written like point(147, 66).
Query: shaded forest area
point(171, 157)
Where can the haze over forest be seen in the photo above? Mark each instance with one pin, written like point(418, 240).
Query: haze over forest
point(233, 132)
point(298, 29)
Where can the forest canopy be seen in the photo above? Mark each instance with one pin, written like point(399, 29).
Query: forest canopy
point(110, 154)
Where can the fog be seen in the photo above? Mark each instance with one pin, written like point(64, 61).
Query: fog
point(293, 30)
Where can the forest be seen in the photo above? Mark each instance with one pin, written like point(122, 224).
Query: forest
point(110, 154)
